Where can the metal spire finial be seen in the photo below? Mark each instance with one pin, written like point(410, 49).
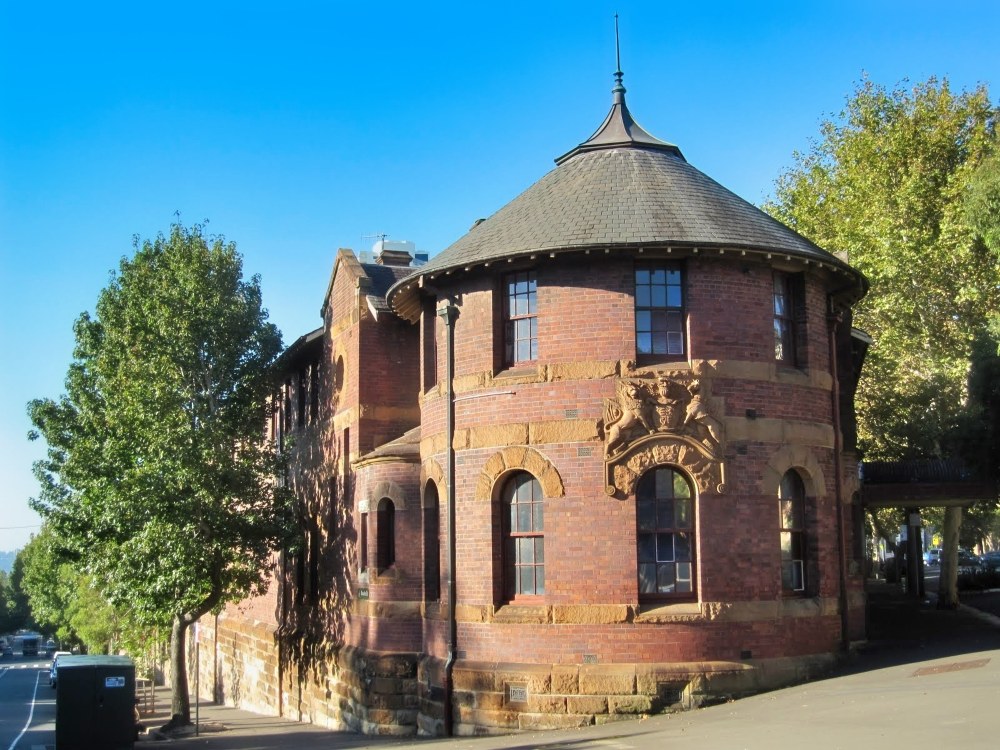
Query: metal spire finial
point(619, 89)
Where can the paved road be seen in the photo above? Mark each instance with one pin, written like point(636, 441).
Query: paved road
point(27, 704)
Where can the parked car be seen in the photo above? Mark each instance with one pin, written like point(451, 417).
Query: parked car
point(968, 561)
point(55, 666)
point(991, 560)
point(932, 557)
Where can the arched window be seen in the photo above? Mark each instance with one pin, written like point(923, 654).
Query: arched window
point(665, 537)
point(791, 510)
point(432, 544)
point(385, 535)
point(523, 536)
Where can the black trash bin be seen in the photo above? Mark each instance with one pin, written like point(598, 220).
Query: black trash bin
point(95, 703)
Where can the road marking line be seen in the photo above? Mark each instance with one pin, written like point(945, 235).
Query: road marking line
point(31, 713)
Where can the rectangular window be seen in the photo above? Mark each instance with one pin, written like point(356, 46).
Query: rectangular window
point(659, 310)
point(784, 322)
point(789, 319)
point(520, 318)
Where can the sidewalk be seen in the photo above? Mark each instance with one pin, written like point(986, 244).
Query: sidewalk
point(925, 679)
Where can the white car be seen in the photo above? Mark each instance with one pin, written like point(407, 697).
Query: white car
point(55, 665)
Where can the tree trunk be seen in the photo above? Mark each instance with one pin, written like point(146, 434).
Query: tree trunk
point(948, 581)
point(180, 699)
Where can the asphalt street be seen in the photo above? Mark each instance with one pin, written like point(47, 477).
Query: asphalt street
point(27, 703)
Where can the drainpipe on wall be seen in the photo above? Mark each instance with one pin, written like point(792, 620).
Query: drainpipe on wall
point(836, 319)
point(448, 313)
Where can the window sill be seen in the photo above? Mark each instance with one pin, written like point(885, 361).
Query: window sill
point(682, 611)
point(679, 361)
point(519, 371)
point(522, 612)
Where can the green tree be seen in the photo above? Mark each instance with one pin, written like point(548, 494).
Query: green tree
point(7, 621)
point(20, 604)
point(156, 473)
point(888, 183)
point(45, 583)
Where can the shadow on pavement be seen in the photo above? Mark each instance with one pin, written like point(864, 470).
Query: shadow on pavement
point(902, 630)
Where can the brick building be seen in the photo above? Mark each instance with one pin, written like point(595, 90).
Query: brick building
point(594, 459)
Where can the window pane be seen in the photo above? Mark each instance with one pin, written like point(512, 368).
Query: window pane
point(643, 320)
point(682, 513)
point(665, 579)
point(658, 276)
point(523, 517)
point(661, 343)
point(646, 548)
point(682, 547)
point(539, 550)
point(646, 515)
point(788, 514)
point(664, 547)
point(644, 343)
point(525, 551)
point(537, 517)
point(675, 343)
point(659, 296)
point(673, 296)
point(523, 351)
point(642, 296)
point(647, 578)
point(526, 580)
point(681, 488)
point(684, 581)
point(664, 487)
point(641, 276)
point(665, 514)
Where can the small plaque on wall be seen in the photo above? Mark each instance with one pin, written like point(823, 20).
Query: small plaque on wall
point(517, 693)
point(363, 593)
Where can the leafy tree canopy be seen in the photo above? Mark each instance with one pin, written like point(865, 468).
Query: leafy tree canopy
point(157, 478)
point(888, 182)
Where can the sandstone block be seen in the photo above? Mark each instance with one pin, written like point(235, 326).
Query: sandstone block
point(607, 680)
point(630, 704)
point(586, 704)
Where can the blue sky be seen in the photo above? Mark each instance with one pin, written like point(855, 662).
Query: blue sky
point(296, 128)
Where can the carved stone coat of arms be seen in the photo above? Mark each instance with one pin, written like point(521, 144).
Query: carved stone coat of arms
point(661, 419)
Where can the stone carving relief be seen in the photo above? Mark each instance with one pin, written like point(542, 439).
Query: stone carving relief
point(664, 418)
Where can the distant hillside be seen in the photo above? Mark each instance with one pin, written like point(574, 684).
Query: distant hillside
point(7, 560)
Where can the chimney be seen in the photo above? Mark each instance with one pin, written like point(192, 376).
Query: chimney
point(394, 253)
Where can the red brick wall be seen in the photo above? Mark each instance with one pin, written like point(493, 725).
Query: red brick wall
point(586, 325)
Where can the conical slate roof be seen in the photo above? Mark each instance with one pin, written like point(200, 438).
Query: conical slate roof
point(620, 188)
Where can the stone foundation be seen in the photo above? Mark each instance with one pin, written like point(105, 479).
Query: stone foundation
point(403, 694)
